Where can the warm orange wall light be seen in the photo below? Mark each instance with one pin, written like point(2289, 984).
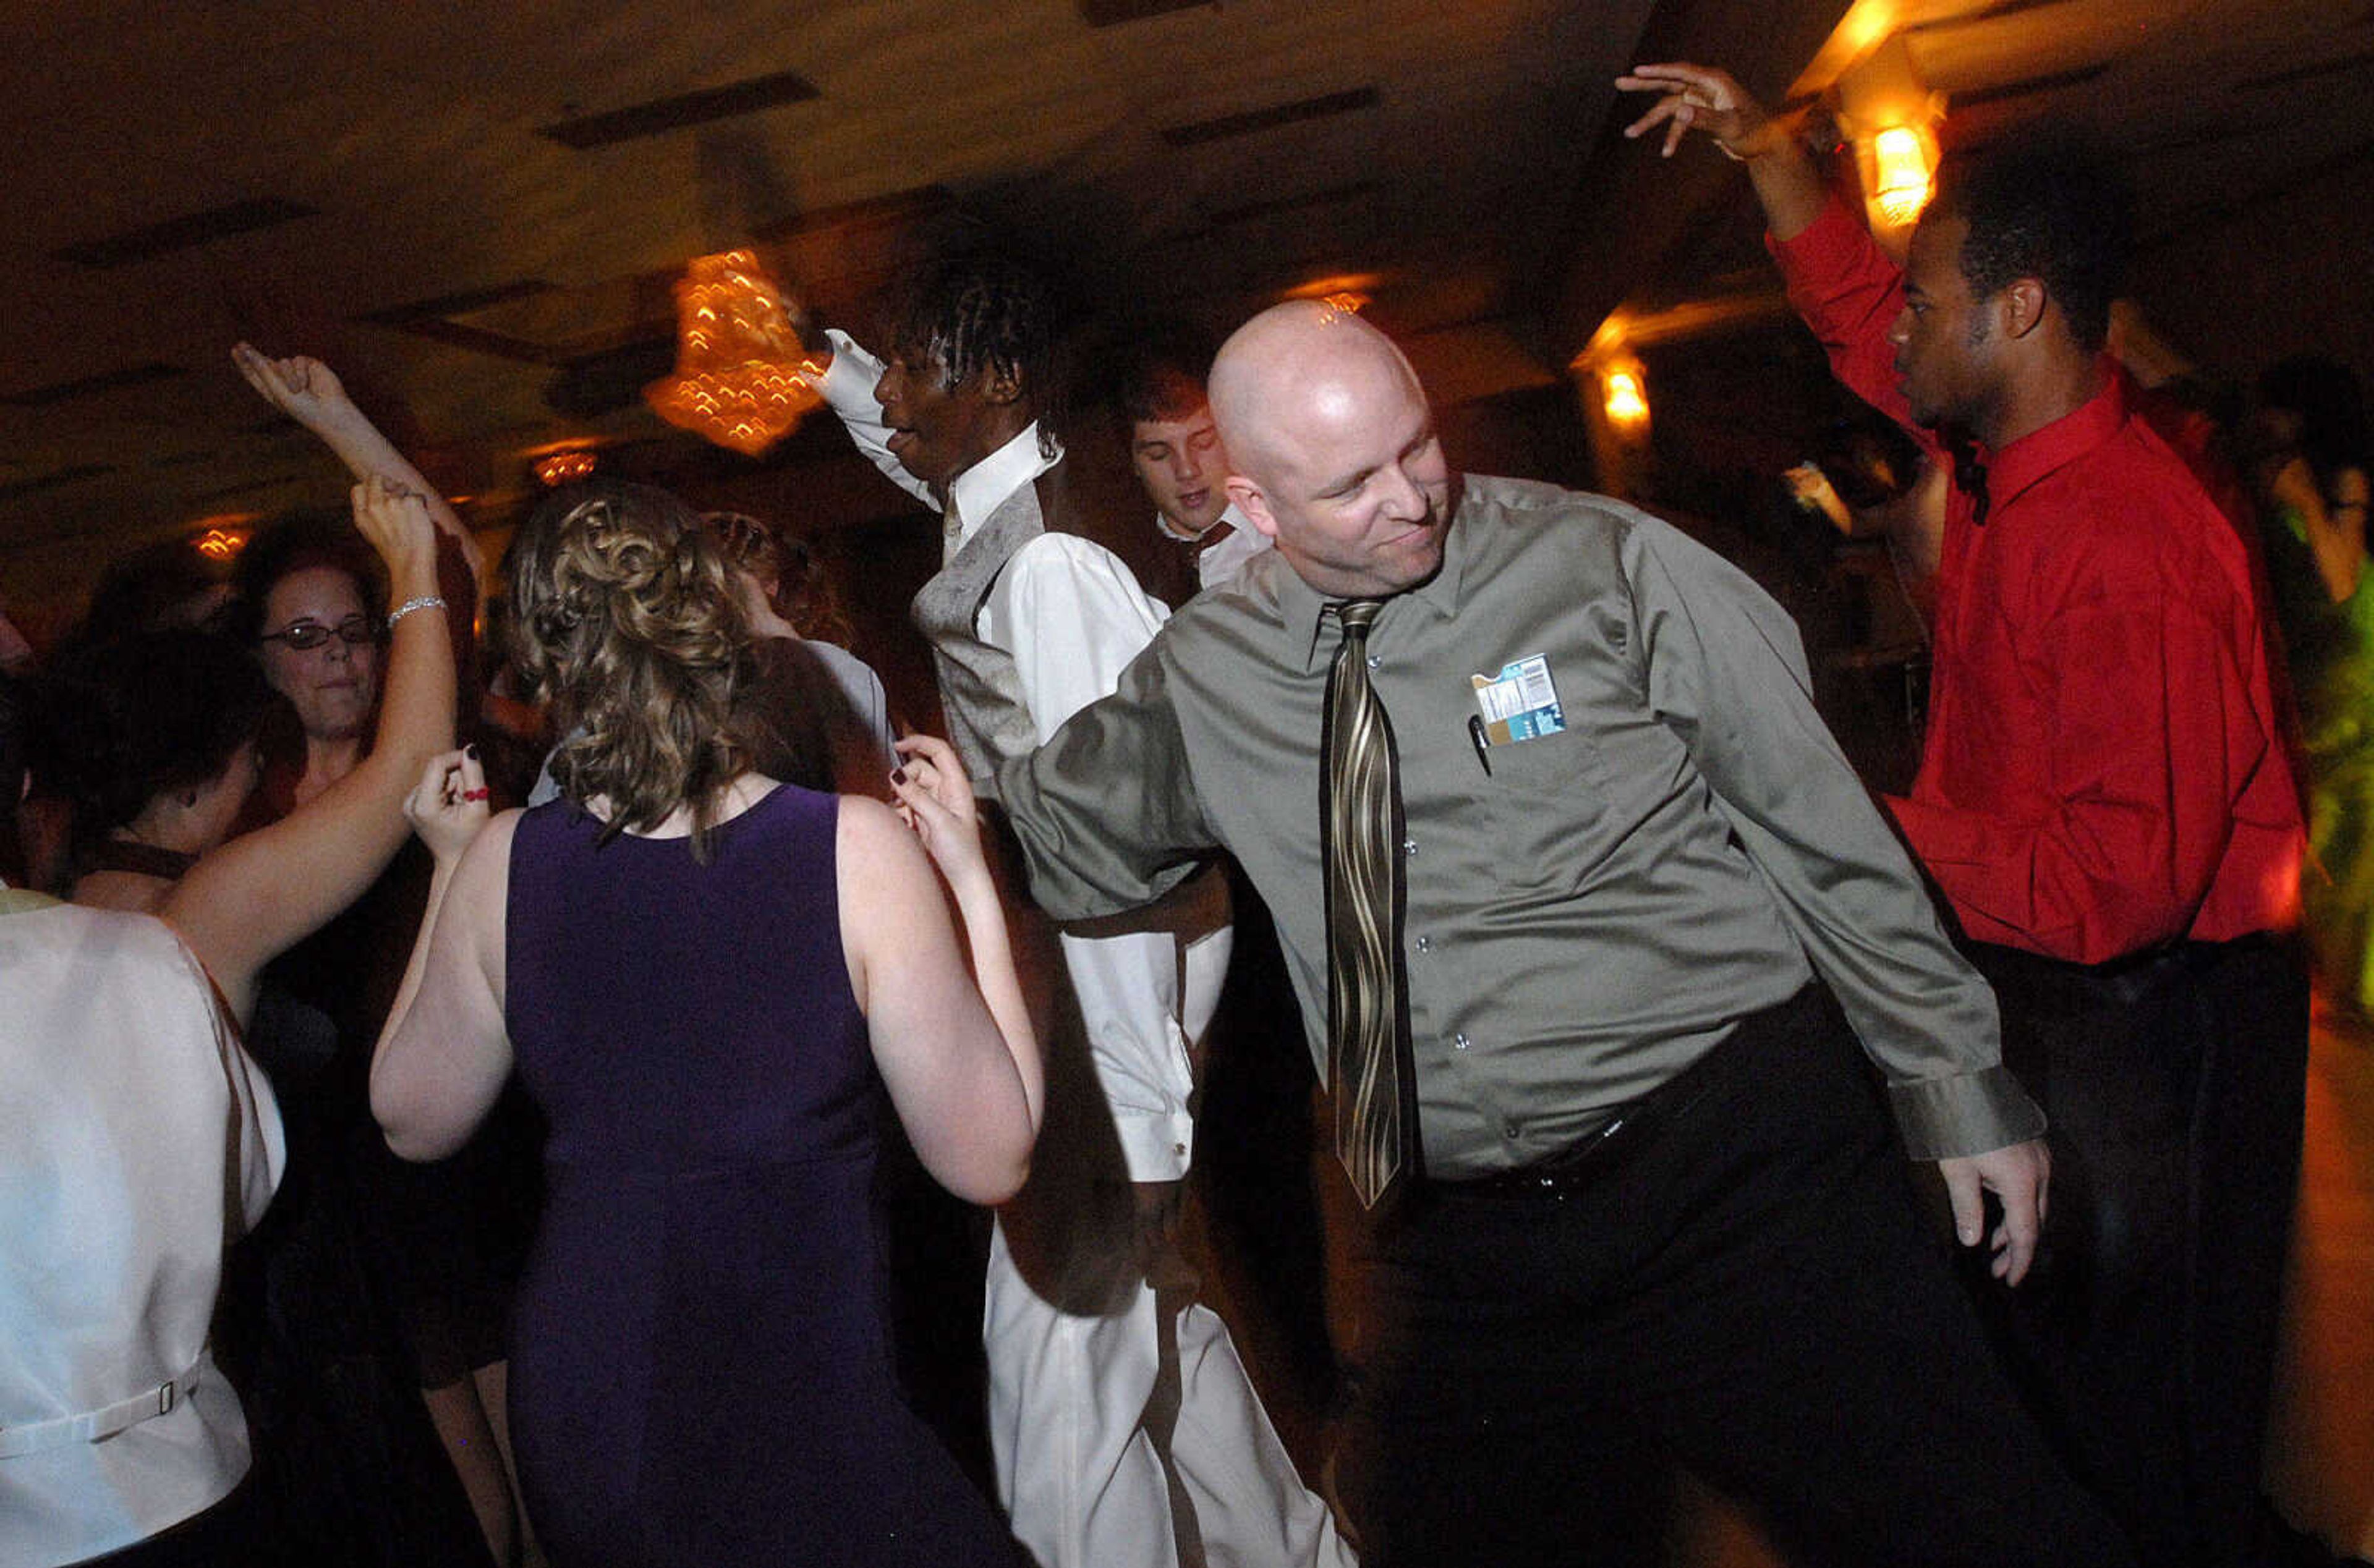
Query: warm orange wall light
point(1624, 397)
point(1348, 292)
point(555, 469)
point(220, 544)
point(222, 537)
point(1903, 173)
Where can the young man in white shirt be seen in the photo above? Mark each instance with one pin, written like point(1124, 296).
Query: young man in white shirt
point(1124, 1430)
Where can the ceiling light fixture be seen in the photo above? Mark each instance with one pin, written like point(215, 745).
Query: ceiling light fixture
point(555, 469)
point(220, 541)
point(1625, 400)
point(1904, 166)
point(740, 378)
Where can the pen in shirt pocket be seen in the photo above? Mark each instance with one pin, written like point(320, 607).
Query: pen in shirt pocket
point(1482, 743)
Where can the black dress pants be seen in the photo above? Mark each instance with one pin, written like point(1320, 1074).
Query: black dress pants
point(1740, 1284)
point(2145, 1336)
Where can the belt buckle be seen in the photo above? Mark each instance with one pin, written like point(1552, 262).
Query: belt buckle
point(167, 1396)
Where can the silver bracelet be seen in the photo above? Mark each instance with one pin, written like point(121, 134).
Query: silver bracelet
point(425, 602)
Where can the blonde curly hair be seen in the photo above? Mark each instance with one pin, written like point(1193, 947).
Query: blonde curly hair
point(624, 620)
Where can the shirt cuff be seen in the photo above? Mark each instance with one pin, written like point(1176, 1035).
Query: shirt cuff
point(1157, 1146)
point(849, 381)
point(1974, 1113)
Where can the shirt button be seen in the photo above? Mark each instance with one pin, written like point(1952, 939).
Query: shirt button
point(1459, 1042)
point(1508, 1130)
point(1409, 848)
point(1426, 945)
point(1375, 662)
point(1178, 1148)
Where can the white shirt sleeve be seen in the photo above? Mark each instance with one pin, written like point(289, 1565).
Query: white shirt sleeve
point(848, 390)
point(1072, 617)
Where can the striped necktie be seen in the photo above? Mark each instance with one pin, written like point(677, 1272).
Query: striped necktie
point(1370, 1074)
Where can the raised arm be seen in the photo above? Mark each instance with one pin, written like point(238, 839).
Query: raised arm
point(1845, 287)
point(844, 374)
point(310, 394)
point(245, 903)
point(956, 1049)
point(1786, 181)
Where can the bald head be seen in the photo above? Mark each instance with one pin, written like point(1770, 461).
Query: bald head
point(1333, 449)
point(1295, 361)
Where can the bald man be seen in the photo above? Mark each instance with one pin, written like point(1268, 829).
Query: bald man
point(1644, 912)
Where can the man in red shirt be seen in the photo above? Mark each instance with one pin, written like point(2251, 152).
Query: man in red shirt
point(2102, 800)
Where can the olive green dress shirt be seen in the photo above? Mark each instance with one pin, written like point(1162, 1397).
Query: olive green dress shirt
point(1601, 906)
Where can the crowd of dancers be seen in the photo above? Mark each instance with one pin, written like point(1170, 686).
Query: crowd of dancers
point(596, 996)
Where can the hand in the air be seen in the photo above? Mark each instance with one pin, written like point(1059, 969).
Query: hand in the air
point(1697, 97)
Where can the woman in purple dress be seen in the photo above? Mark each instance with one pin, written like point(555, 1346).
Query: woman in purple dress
point(716, 986)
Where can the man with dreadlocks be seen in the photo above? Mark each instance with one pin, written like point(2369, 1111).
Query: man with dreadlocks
point(1124, 1429)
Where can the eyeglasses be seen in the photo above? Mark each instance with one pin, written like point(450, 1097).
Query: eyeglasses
point(306, 635)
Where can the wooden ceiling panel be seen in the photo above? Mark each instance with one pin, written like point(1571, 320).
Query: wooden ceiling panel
point(1206, 157)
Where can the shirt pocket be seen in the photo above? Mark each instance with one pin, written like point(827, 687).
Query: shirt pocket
point(1544, 802)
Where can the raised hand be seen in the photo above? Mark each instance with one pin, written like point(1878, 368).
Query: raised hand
point(935, 799)
point(1788, 183)
point(397, 523)
point(303, 387)
point(309, 392)
point(448, 807)
point(1697, 97)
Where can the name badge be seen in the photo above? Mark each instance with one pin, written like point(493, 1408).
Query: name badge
point(1518, 704)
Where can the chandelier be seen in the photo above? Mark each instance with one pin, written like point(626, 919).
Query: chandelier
point(738, 377)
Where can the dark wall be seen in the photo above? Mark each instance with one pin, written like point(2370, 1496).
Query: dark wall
point(2287, 274)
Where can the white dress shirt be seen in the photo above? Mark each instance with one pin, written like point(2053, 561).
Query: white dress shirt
point(1071, 617)
point(1220, 561)
point(136, 1137)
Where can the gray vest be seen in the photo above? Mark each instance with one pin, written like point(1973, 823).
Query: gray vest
point(980, 693)
point(981, 696)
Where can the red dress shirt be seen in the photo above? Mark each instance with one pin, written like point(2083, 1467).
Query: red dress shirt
point(2100, 774)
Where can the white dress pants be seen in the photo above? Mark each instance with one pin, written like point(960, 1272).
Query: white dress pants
point(1087, 1480)
point(1125, 1432)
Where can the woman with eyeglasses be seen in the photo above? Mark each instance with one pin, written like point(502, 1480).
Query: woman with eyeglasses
point(435, 1250)
point(162, 837)
point(157, 734)
point(719, 988)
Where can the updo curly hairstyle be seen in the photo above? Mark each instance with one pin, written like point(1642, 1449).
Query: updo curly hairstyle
point(624, 618)
point(120, 722)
